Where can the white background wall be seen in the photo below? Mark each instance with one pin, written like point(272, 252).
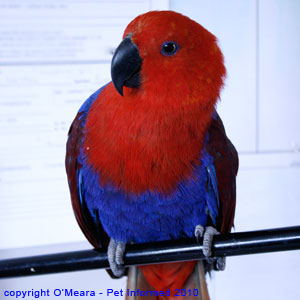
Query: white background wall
point(260, 108)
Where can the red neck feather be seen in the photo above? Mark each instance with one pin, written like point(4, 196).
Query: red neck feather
point(141, 143)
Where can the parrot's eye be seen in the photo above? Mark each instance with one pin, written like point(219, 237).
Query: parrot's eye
point(169, 48)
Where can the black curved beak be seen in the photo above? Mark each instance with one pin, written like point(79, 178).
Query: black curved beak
point(125, 66)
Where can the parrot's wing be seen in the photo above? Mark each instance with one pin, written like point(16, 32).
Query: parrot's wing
point(225, 167)
point(90, 226)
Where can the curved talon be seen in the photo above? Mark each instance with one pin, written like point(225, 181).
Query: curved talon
point(220, 263)
point(115, 253)
point(199, 232)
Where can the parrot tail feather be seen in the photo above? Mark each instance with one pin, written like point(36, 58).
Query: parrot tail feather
point(170, 281)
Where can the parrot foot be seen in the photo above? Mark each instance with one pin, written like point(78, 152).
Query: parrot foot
point(207, 240)
point(115, 254)
point(208, 233)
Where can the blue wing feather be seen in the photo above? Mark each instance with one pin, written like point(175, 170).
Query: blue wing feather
point(87, 219)
point(212, 199)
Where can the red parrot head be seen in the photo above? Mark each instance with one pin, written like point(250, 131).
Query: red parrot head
point(167, 74)
point(166, 53)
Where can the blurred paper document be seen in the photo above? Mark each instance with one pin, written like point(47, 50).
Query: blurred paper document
point(53, 55)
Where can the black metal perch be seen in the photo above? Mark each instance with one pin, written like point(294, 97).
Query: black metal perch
point(239, 243)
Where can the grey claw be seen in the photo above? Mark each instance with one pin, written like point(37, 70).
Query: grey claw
point(115, 255)
point(221, 263)
point(199, 232)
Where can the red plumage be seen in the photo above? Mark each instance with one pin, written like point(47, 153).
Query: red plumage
point(169, 276)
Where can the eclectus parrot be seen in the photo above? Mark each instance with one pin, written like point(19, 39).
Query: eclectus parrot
point(147, 155)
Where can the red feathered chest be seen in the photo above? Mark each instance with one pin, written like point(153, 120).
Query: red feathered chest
point(139, 145)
